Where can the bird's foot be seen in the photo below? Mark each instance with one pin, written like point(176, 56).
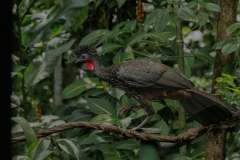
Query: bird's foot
point(122, 110)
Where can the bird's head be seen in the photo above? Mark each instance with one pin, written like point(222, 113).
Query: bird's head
point(86, 54)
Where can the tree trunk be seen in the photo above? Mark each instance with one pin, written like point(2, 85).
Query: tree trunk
point(215, 140)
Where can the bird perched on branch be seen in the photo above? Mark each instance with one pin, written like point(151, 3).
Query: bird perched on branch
point(146, 80)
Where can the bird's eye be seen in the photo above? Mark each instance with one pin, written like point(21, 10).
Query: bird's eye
point(84, 56)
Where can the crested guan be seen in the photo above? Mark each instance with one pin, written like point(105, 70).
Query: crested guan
point(146, 80)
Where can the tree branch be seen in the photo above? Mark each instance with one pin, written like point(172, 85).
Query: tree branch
point(130, 133)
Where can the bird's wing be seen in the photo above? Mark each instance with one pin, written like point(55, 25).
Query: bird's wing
point(145, 73)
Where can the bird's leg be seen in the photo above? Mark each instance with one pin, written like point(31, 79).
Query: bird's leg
point(124, 108)
point(143, 122)
point(147, 105)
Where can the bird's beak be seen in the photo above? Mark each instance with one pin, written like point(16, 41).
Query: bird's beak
point(78, 60)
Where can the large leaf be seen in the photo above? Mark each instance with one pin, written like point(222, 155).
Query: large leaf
point(186, 14)
point(109, 48)
point(151, 18)
point(165, 130)
point(28, 131)
point(81, 115)
point(69, 147)
point(233, 28)
point(104, 118)
point(94, 36)
point(42, 66)
point(100, 106)
point(202, 18)
point(188, 62)
point(41, 146)
point(210, 6)
point(162, 20)
point(127, 144)
point(43, 155)
point(108, 149)
point(37, 32)
point(230, 47)
point(205, 56)
point(158, 36)
point(98, 138)
point(79, 86)
point(149, 150)
point(221, 44)
point(115, 92)
point(124, 123)
point(135, 38)
point(120, 3)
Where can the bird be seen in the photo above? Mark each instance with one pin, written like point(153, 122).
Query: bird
point(147, 80)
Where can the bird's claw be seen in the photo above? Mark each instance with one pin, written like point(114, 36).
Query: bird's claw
point(122, 110)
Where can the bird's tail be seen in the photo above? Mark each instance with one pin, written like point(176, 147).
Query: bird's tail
point(208, 109)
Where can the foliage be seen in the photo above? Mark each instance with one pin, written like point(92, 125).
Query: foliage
point(46, 31)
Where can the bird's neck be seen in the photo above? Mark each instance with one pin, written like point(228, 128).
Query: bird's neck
point(100, 72)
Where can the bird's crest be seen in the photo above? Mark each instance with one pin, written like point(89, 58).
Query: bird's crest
point(85, 49)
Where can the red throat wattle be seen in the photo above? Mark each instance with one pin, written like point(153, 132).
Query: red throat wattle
point(89, 65)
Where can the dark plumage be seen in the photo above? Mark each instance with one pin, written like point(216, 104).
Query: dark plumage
point(146, 80)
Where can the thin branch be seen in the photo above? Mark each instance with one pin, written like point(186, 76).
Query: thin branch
point(130, 133)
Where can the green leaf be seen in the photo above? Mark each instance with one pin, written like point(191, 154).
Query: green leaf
point(27, 129)
point(165, 130)
point(94, 36)
point(186, 14)
point(18, 68)
point(115, 92)
point(129, 53)
point(23, 158)
point(188, 62)
point(79, 86)
point(162, 20)
point(43, 27)
point(123, 123)
point(135, 38)
point(124, 101)
point(198, 152)
point(152, 17)
point(219, 45)
point(192, 4)
point(149, 150)
point(210, 6)
point(100, 106)
point(230, 47)
point(132, 25)
point(44, 154)
point(120, 3)
point(158, 36)
point(41, 146)
point(202, 18)
point(41, 67)
point(169, 32)
point(104, 118)
point(108, 149)
point(205, 56)
point(127, 144)
point(69, 147)
point(98, 138)
point(84, 115)
point(56, 123)
point(233, 28)
point(119, 57)
point(109, 48)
